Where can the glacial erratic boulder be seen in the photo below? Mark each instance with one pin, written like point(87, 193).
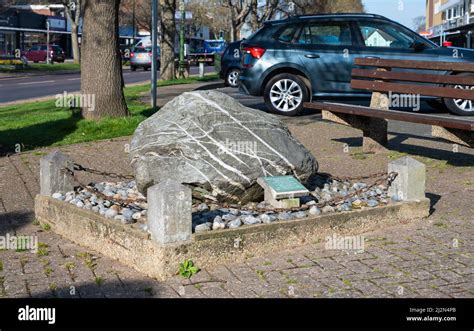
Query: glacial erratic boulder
point(209, 140)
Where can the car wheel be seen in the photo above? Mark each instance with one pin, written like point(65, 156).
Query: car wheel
point(233, 78)
point(35, 61)
point(459, 106)
point(285, 94)
point(132, 68)
point(145, 68)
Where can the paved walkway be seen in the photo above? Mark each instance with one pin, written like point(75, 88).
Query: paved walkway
point(429, 258)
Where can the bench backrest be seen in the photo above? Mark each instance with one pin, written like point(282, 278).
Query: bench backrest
point(383, 79)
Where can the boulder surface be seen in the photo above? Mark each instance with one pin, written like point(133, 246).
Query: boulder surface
point(210, 141)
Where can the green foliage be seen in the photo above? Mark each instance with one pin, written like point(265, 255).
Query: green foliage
point(187, 269)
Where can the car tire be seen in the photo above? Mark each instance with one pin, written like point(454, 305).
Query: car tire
point(285, 94)
point(145, 68)
point(35, 61)
point(132, 68)
point(458, 106)
point(232, 77)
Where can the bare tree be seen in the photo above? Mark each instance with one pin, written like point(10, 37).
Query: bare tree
point(307, 7)
point(239, 11)
point(101, 69)
point(142, 13)
point(168, 31)
point(419, 23)
point(74, 11)
point(260, 14)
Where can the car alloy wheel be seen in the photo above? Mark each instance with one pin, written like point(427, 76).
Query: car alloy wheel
point(286, 95)
point(464, 105)
point(233, 78)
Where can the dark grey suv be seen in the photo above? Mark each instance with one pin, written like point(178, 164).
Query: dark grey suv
point(297, 59)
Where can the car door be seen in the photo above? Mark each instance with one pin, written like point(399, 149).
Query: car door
point(31, 55)
point(325, 49)
point(388, 40)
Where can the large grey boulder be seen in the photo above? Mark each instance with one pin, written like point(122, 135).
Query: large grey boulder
point(209, 140)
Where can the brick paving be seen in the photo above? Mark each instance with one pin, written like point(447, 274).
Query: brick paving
point(430, 258)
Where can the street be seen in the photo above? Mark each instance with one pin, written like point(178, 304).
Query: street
point(38, 86)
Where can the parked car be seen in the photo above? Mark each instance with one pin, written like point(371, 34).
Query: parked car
point(230, 64)
point(141, 58)
point(39, 52)
point(295, 60)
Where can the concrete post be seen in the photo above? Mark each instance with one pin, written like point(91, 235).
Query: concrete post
point(54, 176)
point(170, 212)
point(410, 182)
point(201, 69)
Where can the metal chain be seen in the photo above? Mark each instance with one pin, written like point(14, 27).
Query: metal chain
point(388, 177)
point(120, 202)
point(79, 167)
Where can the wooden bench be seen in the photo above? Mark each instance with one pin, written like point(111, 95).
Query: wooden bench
point(382, 81)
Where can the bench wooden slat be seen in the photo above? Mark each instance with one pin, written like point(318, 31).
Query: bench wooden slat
point(414, 77)
point(453, 123)
point(408, 64)
point(435, 91)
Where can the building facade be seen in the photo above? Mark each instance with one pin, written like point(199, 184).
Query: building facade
point(450, 20)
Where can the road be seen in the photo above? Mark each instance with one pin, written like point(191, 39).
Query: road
point(30, 87)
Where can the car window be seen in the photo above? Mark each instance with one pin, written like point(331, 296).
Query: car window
point(43, 48)
point(378, 34)
point(286, 33)
point(34, 48)
point(328, 33)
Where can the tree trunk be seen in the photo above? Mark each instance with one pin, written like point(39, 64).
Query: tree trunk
point(168, 31)
point(75, 43)
point(101, 67)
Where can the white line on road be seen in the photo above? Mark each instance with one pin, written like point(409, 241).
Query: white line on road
point(74, 78)
point(42, 82)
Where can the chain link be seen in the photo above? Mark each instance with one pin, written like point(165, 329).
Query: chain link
point(79, 167)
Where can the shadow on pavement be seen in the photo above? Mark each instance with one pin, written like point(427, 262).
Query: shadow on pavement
point(12, 222)
point(103, 288)
point(434, 198)
point(457, 159)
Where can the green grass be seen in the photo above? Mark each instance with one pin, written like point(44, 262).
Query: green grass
point(44, 67)
point(41, 124)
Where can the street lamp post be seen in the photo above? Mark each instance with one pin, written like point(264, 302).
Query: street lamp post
point(47, 43)
point(181, 40)
point(154, 45)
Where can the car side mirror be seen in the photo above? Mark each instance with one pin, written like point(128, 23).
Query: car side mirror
point(418, 47)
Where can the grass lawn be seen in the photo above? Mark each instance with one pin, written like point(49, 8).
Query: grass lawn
point(44, 67)
point(40, 124)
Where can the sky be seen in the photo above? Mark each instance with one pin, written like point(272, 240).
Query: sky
point(401, 11)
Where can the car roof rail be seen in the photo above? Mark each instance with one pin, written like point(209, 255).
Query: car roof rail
point(324, 15)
